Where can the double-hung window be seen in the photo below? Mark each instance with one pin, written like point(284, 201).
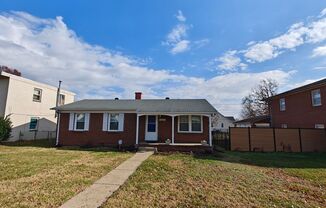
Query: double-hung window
point(190, 124)
point(282, 104)
point(113, 121)
point(316, 97)
point(79, 121)
point(196, 123)
point(37, 95)
point(184, 123)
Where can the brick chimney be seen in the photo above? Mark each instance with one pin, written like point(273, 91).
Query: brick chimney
point(138, 95)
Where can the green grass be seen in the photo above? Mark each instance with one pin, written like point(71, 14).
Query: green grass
point(309, 166)
point(226, 180)
point(33, 174)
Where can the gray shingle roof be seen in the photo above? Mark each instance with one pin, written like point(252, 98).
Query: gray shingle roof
point(142, 106)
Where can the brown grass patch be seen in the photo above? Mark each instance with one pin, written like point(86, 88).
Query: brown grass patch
point(47, 177)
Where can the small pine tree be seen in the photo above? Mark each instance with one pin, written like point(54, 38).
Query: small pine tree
point(5, 128)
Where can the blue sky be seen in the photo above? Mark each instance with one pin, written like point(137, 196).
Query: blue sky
point(216, 50)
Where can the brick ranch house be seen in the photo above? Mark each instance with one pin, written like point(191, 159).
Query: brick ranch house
point(133, 123)
point(302, 107)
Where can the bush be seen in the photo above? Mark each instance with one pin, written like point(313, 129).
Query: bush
point(5, 128)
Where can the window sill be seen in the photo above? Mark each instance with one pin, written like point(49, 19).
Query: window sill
point(190, 132)
point(114, 131)
point(80, 130)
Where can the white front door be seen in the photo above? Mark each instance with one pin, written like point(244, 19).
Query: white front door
point(151, 128)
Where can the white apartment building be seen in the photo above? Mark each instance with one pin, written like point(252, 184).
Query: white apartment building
point(28, 104)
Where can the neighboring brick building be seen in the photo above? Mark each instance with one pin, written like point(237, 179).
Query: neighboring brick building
point(302, 107)
point(135, 122)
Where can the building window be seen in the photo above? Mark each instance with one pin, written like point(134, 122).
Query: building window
point(183, 123)
point(62, 99)
point(190, 123)
point(33, 124)
point(195, 123)
point(222, 125)
point(316, 97)
point(80, 121)
point(114, 122)
point(319, 126)
point(284, 126)
point(37, 95)
point(282, 104)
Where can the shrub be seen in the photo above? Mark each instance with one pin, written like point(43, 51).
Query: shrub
point(5, 128)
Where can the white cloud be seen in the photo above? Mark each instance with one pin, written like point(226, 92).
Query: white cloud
point(298, 34)
point(317, 31)
point(320, 68)
point(177, 38)
point(260, 52)
point(180, 16)
point(322, 13)
point(319, 51)
point(180, 47)
point(226, 91)
point(178, 33)
point(229, 61)
point(201, 43)
point(47, 50)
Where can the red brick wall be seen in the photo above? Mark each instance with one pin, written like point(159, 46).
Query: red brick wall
point(164, 128)
point(96, 137)
point(299, 111)
point(192, 137)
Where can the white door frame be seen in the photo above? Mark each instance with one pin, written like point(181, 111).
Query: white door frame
point(151, 136)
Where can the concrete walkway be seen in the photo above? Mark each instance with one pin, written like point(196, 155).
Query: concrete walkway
point(95, 195)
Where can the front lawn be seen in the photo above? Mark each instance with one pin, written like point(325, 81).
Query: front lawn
point(35, 175)
point(226, 180)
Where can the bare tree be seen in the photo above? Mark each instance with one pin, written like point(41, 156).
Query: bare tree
point(255, 103)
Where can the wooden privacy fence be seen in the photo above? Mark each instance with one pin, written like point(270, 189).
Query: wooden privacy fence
point(277, 140)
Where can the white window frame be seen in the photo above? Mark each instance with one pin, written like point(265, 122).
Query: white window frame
point(284, 126)
point(281, 104)
point(319, 126)
point(109, 122)
point(312, 97)
point(75, 122)
point(189, 129)
point(120, 122)
point(40, 90)
point(190, 124)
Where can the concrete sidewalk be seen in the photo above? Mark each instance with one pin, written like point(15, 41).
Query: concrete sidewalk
point(95, 195)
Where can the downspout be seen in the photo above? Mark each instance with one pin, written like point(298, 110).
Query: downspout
point(58, 129)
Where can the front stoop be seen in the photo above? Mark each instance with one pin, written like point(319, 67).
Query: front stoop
point(147, 149)
point(95, 195)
